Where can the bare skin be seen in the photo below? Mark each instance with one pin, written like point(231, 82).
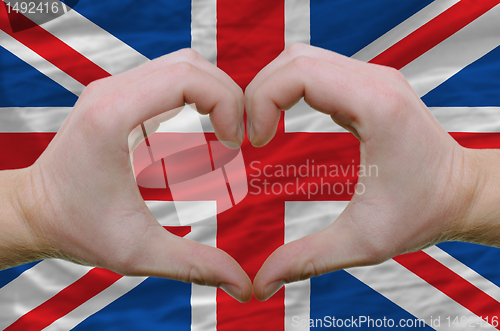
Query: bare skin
point(79, 201)
point(429, 188)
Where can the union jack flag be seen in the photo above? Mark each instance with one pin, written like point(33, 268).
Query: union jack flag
point(447, 49)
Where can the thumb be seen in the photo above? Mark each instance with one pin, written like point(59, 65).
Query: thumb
point(165, 255)
point(333, 248)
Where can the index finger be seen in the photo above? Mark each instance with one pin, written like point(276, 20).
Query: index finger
point(326, 87)
point(115, 114)
point(183, 55)
point(296, 50)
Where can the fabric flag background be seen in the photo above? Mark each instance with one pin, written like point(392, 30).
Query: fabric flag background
point(447, 49)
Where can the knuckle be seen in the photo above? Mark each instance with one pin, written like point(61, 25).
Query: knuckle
point(394, 74)
point(194, 271)
point(94, 88)
point(295, 49)
point(96, 105)
point(310, 265)
point(393, 91)
point(97, 113)
point(311, 269)
point(181, 70)
point(391, 98)
point(304, 63)
point(194, 276)
point(189, 54)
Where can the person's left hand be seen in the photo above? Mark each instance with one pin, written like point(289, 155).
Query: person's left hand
point(425, 185)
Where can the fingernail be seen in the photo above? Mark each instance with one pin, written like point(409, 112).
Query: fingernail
point(250, 129)
point(241, 131)
point(232, 290)
point(230, 144)
point(272, 288)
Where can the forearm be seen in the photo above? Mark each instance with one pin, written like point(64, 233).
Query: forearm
point(481, 223)
point(17, 241)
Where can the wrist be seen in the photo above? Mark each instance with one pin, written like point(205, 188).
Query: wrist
point(18, 242)
point(480, 222)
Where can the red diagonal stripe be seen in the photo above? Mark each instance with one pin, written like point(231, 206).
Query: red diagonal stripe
point(88, 286)
point(92, 283)
point(451, 284)
point(52, 49)
point(432, 33)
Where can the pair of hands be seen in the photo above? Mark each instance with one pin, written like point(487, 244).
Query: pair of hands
point(80, 202)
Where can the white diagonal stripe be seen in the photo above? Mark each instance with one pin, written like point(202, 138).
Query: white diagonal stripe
point(119, 288)
point(444, 60)
point(414, 295)
point(403, 29)
point(74, 30)
point(426, 72)
point(464, 271)
point(302, 118)
point(203, 298)
point(390, 279)
point(36, 290)
point(93, 42)
point(35, 286)
point(40, 64)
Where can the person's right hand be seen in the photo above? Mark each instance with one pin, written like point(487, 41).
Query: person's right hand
point(426, 185)
point(79, 201)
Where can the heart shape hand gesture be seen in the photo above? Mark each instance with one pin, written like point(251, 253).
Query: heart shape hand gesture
point(80, 202)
